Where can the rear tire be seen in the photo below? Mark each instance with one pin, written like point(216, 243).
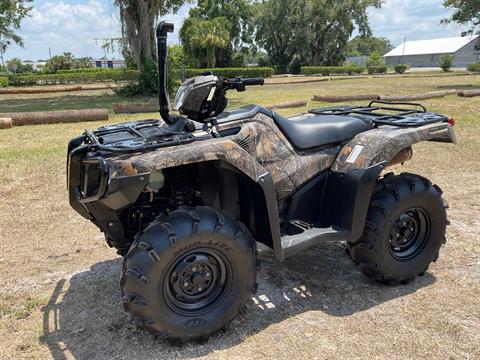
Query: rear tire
point(189, 274)
point(404, 231)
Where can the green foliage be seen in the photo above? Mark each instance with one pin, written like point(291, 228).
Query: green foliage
point(233, 72)
point(446, 62)
point(295, 65)
point(377, 69)
point(87, 70)
point(206, 37)
point(400, 68)
point(329, 70)
point(315, 30)
point(365, 45)
point(148, 79)
point(231, 21)
point(16, 66)
point(464, 12)
point(474, 67)
point(58, 79)
point(3, 81)
point(67, 61)
point(375, 59)
point(11, 15)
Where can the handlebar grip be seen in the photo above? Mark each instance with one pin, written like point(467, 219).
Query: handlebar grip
point(253, 81)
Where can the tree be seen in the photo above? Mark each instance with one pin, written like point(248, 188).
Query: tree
point(67, 61)
point(138, 22)
point(206, 37)
point(237, 17)
point(11, 14)
point(289, 38)
point(316, 31)
point(465, 12)
point(16, 66)
point(365, 45)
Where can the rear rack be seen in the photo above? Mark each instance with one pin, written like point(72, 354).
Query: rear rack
point(386, 113)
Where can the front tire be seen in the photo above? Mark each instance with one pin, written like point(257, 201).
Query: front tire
point(404, 231)
point(189, 274)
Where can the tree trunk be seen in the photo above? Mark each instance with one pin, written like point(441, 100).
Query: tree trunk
point(138, 20)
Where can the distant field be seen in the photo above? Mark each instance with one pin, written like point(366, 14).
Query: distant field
point(59, 295)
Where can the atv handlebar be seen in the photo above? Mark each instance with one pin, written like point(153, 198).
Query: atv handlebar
point(253, 81)
point(239, 83)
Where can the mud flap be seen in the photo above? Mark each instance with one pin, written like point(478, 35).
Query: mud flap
point(347, 198)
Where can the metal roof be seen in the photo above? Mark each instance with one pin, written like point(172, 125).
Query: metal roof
point(432, 46)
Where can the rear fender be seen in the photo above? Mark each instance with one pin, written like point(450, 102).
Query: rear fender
point(355, 172)
point(381, 145)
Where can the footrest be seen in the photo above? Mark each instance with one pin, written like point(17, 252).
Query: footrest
point(293, 244)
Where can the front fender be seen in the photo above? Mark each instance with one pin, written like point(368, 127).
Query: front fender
point(201, 151)
point(216, 149)
point(382, 144)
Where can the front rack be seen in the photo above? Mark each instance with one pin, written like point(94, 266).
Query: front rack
point(135, 136)
point(386, 113)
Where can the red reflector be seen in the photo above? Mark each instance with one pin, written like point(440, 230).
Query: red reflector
point(451, 121)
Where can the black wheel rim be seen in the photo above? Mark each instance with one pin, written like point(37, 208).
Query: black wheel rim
point(409, 234)
point(197, 281)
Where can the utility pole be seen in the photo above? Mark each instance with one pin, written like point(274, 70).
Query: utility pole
point(403, 51)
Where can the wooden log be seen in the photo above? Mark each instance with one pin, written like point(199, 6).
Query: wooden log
point(135, 108)
point(342, 98)
point(469, 93)
point(429, 95)
point(100, 87)
point(56, 117)
point(39, 90)
point(5, 123)
point(289, 104)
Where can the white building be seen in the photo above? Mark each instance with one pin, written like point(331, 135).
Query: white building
point(427, 53)
point(110, 64)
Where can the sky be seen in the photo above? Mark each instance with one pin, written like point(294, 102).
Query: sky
point(61, 25)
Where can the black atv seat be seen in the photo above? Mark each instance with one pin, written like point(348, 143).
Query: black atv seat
point(312, 131)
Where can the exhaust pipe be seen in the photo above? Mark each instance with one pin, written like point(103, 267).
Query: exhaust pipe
point(162, 30)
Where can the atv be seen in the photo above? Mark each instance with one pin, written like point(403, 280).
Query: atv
point(185, 199)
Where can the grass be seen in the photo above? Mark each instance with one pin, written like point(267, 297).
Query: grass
point(59, 293)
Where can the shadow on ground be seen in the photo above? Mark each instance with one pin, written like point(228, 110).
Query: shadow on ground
point(85, 319)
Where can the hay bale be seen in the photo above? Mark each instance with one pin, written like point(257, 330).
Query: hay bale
point(5, 123)
point(56, 117)
point(135, 108)
point(342, 98)
point(289, 104)
point(469, 93)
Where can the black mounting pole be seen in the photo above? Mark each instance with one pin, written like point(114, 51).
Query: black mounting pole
point(162, 30)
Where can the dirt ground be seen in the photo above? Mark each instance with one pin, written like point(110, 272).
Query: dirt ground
point(59, 294)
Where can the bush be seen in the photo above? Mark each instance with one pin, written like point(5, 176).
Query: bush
point(474, 67)
point(446, 62)
point(375, 59)
point(59, 79)
point(233, 72)
point(3, 81)
point(329, 70)
point(377, 69)
point(400, 68)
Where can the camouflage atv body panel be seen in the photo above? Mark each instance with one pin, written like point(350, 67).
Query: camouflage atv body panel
point(259, 147)
point(380, 145)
